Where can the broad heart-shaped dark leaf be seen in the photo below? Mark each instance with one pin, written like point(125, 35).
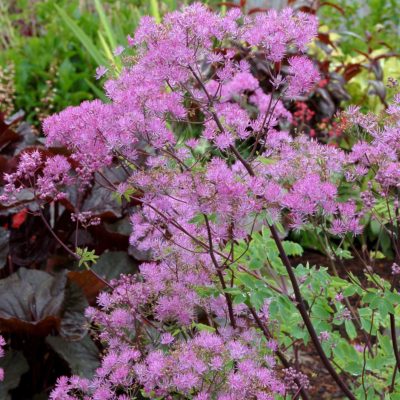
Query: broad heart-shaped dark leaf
point(4, 246)
point(27, 135)
point(30, 301)
point(14, 365)
point(29, 242)
point(112, 264)
point(73, 324)
point(37, 303)
point(82, 356)
point(89, 283)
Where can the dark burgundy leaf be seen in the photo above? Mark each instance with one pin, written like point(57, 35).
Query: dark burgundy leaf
point(256, 10)
point(326, 106)
point(73, 325)
point(4, 246)
point(82, 356)
point(378, 89)
point(14, 365)
point(351, 70)
point(328, 3)
point(37, 303)
point(377, 70)
point(90, 284)
point(324, 38)
point(31, 301)
point(114, 263)
point(229, 4)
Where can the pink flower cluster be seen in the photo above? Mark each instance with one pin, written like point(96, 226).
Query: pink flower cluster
point(382, 152)
point(143, 352)
point(2, 344)
point(45, 177)
point(201, 195)
point(174, 57)
point(213, 366)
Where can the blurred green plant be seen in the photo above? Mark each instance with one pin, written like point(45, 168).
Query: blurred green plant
point(364, 24)
point(365, 47)
point(55, 46)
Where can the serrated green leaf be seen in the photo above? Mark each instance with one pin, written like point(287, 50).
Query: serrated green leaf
point(350, 329)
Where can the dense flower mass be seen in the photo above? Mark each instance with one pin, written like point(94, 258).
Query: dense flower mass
point(186, 71)
point(47, 177)
point(204, 153)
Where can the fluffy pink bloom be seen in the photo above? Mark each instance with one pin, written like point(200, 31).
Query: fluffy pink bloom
point(118, 51)
point(303, 75)
point(101, 71)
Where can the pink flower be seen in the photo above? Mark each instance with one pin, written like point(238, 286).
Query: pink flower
point(101, 71)
point(303, 76)
point(395, 269)
point(339, 297)
point(166, 338)
point(118, 51)
point(324, 336)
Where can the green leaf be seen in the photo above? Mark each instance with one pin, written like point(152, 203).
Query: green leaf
point(109, 52)
point(347, 357)
point(247, 280)
point(86, 257)
point(320, 311)
point(205, 291)
point(377, 255)
point(257, 299)
point(155, 10)
point(385, 344)
point(198, 219)
point(292, 248)
point(266, 161)
point(392, 297)
point(370, 296)
point(82, 37)
point(106, 24)
point(239, 298)
point(203, 327)
point(343, 254)
point(350, 329)
point(349, 291)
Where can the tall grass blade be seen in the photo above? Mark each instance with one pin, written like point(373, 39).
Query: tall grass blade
point(106, 24)
point(82, 37)
point(155, 10)
point(116, 61)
